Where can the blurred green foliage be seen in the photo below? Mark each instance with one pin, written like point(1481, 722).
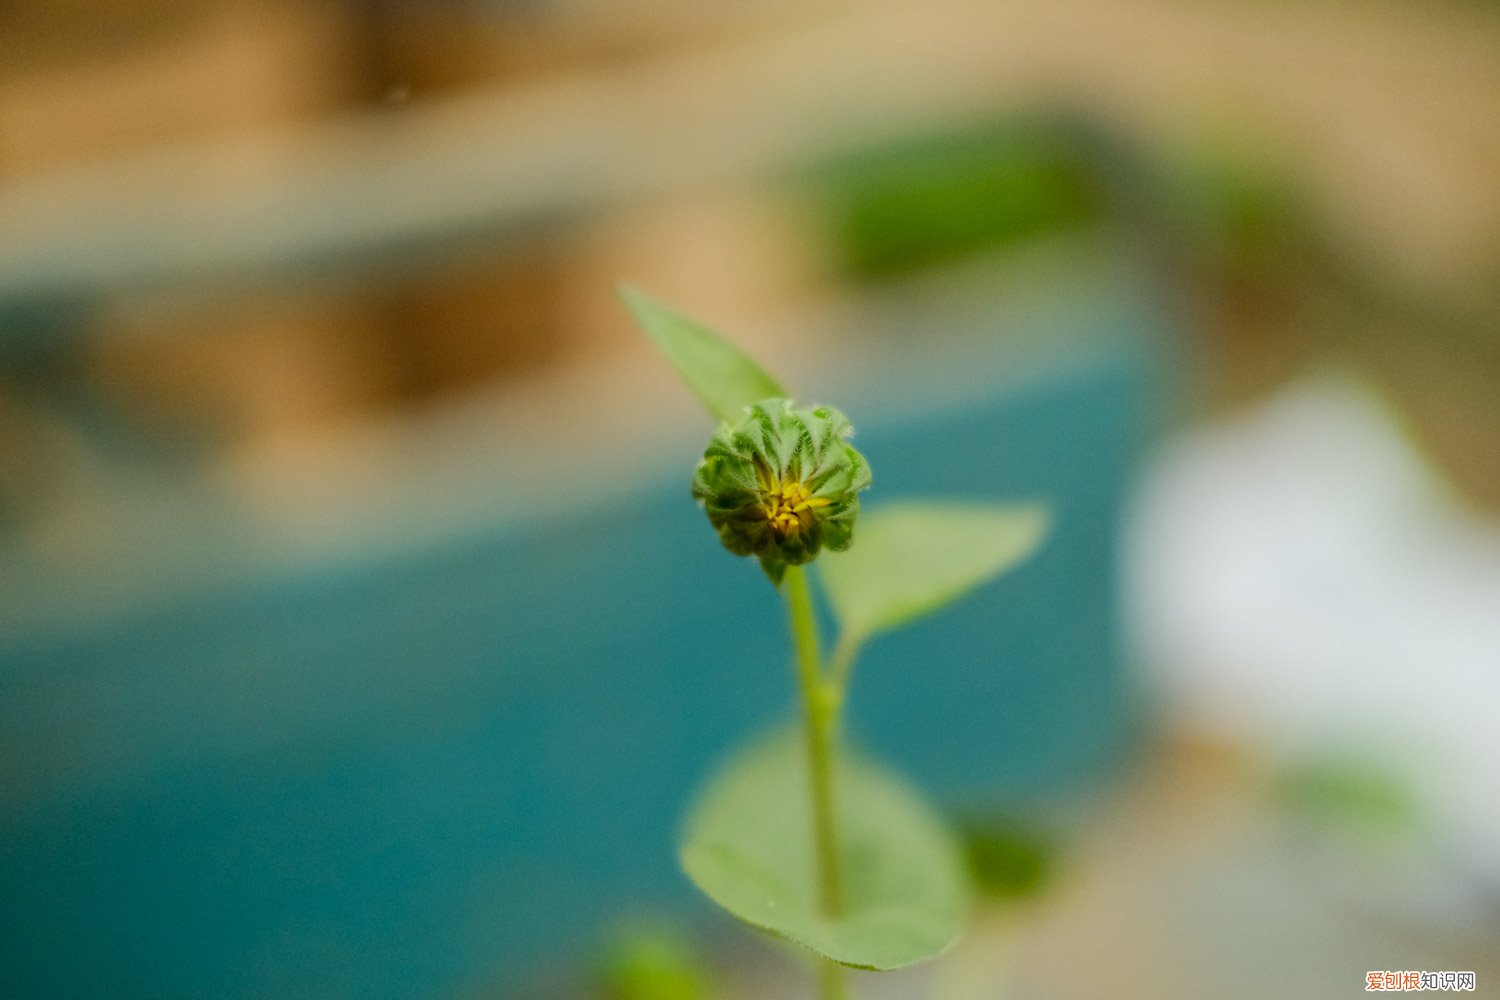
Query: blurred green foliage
point(654, 961)
point(1349, 798)
point(1008, 860)
point(907, 206)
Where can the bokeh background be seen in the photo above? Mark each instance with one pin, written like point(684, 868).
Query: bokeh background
point(358, 636)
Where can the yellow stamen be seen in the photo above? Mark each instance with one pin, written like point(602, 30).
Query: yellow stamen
point(788, 507)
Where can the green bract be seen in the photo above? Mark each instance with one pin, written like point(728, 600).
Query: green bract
point(782, 483)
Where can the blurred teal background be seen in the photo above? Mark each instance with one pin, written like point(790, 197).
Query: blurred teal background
point(394, 777)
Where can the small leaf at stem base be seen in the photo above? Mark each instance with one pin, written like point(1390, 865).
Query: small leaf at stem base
point(748, 846)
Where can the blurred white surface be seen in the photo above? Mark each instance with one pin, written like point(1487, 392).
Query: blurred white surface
point(1300, 580)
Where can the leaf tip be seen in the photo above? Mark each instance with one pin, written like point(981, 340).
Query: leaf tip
point(638, 302)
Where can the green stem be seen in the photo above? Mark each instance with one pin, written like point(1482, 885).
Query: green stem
point(821, 702)
point(832, 984)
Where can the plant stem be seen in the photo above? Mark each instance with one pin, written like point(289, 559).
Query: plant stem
point(821, 702)
point(832, 984)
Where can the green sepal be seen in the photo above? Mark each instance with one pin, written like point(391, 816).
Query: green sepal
point(775, 568)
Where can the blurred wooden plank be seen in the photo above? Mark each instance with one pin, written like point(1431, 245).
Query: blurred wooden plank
point(384, 185)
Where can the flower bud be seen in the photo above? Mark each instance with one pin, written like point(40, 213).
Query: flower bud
point(782, 484)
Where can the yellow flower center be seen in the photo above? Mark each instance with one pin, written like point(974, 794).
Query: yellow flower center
point(789, 506)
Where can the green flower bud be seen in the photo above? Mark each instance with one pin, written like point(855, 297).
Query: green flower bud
point(782, 484)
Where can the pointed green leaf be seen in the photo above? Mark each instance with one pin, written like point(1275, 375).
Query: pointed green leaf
point(748, 845)
point(724, 379)
point(911, 559)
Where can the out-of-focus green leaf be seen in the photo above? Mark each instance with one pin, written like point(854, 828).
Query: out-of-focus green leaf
point(926, 201)
point(722, 377)
point(748, 844)
point(910, 559)
point(1351, 797)
point(654, 961)
point(1008, 861)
